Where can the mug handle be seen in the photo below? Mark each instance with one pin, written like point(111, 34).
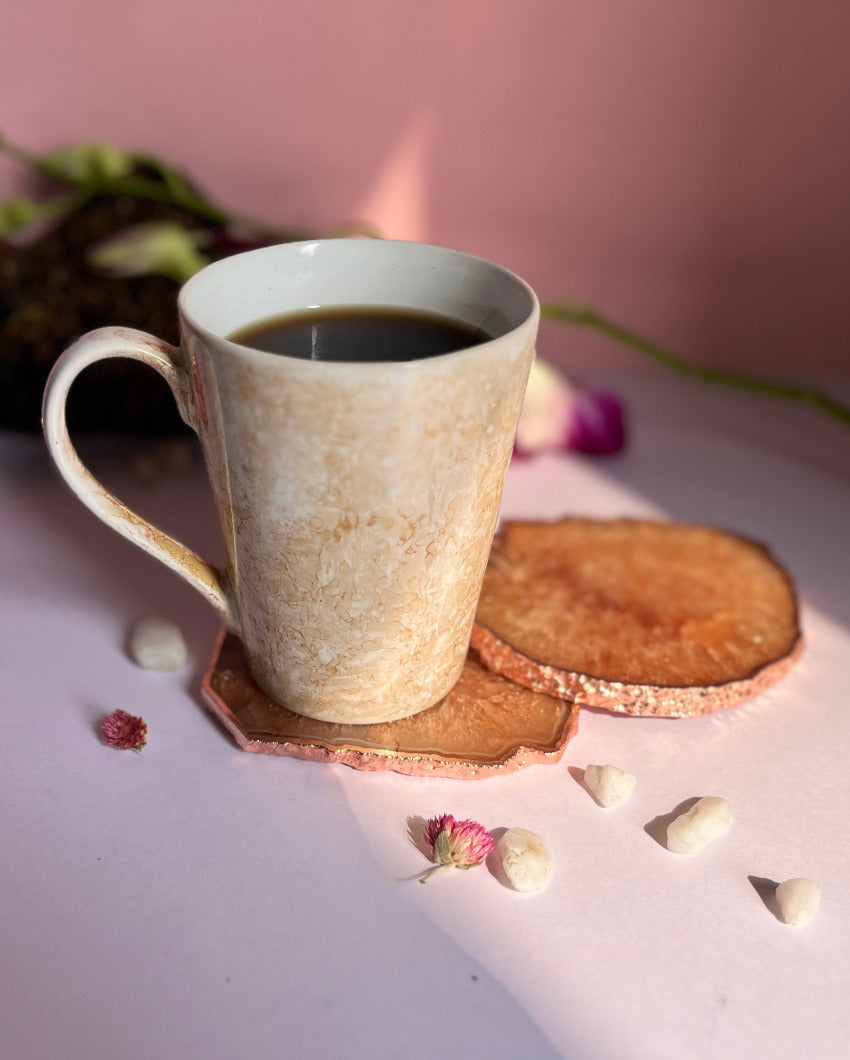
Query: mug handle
point(99, 345)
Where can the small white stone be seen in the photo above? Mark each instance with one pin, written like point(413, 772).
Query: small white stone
point(526, 860)
point(158, 644)
point(608, 784)
point(798, 900)
point(706, 819)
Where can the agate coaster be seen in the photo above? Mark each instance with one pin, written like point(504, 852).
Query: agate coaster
point(486, 726)
point(636, 616)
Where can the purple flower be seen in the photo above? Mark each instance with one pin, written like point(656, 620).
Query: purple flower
point(597, 424)
point(558, 414)
point(456, 844)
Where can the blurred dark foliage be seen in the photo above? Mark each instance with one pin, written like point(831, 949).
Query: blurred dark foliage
point(50, 295)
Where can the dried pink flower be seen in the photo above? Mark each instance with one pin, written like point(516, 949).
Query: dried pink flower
point(559, 413)
point(124, 731)
point(456, 844)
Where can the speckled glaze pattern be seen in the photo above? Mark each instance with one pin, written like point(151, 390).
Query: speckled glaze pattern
point(357, 501)
point(361, 501)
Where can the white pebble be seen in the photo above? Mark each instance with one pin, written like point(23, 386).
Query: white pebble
point(608, 784)
point(157, 644)
point(798, 900)
point(706, 819)
point(526, 860)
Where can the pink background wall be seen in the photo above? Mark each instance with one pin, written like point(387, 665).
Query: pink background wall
point(684, 166)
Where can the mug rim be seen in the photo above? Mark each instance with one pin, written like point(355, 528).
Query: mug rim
point(213, 338)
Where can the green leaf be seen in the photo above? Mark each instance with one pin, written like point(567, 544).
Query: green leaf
point(157, 247)
point(15, 213)
point(442, 849)
point(91, 163)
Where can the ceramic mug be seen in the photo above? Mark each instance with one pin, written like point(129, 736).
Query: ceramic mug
point(357, 501)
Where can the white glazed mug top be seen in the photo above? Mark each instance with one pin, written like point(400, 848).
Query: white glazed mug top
point(357, 500)
point(261, 284)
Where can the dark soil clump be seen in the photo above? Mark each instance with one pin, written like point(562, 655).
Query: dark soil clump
point(50, 295)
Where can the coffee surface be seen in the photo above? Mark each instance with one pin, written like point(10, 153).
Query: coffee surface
point(360, 333)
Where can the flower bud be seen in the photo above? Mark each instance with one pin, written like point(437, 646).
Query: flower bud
point(559, 414)
point(456, 844)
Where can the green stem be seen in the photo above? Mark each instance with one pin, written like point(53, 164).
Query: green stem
point(181, 195)
point(172, 189)
point(18, 214)
point(433, 872)
point(142, 188)
point(583, 316)
point(18, 153)
point(66, 204)
point(36, 162)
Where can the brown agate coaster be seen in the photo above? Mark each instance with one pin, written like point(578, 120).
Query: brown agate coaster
point(635, 616)
point(485, 726)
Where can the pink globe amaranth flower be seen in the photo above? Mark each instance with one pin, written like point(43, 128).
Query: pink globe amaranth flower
point(598, 423)
point(124, 731)
point(559, 414)
point(456, 844)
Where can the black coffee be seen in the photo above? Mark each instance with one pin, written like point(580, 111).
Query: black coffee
point(360, 333)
